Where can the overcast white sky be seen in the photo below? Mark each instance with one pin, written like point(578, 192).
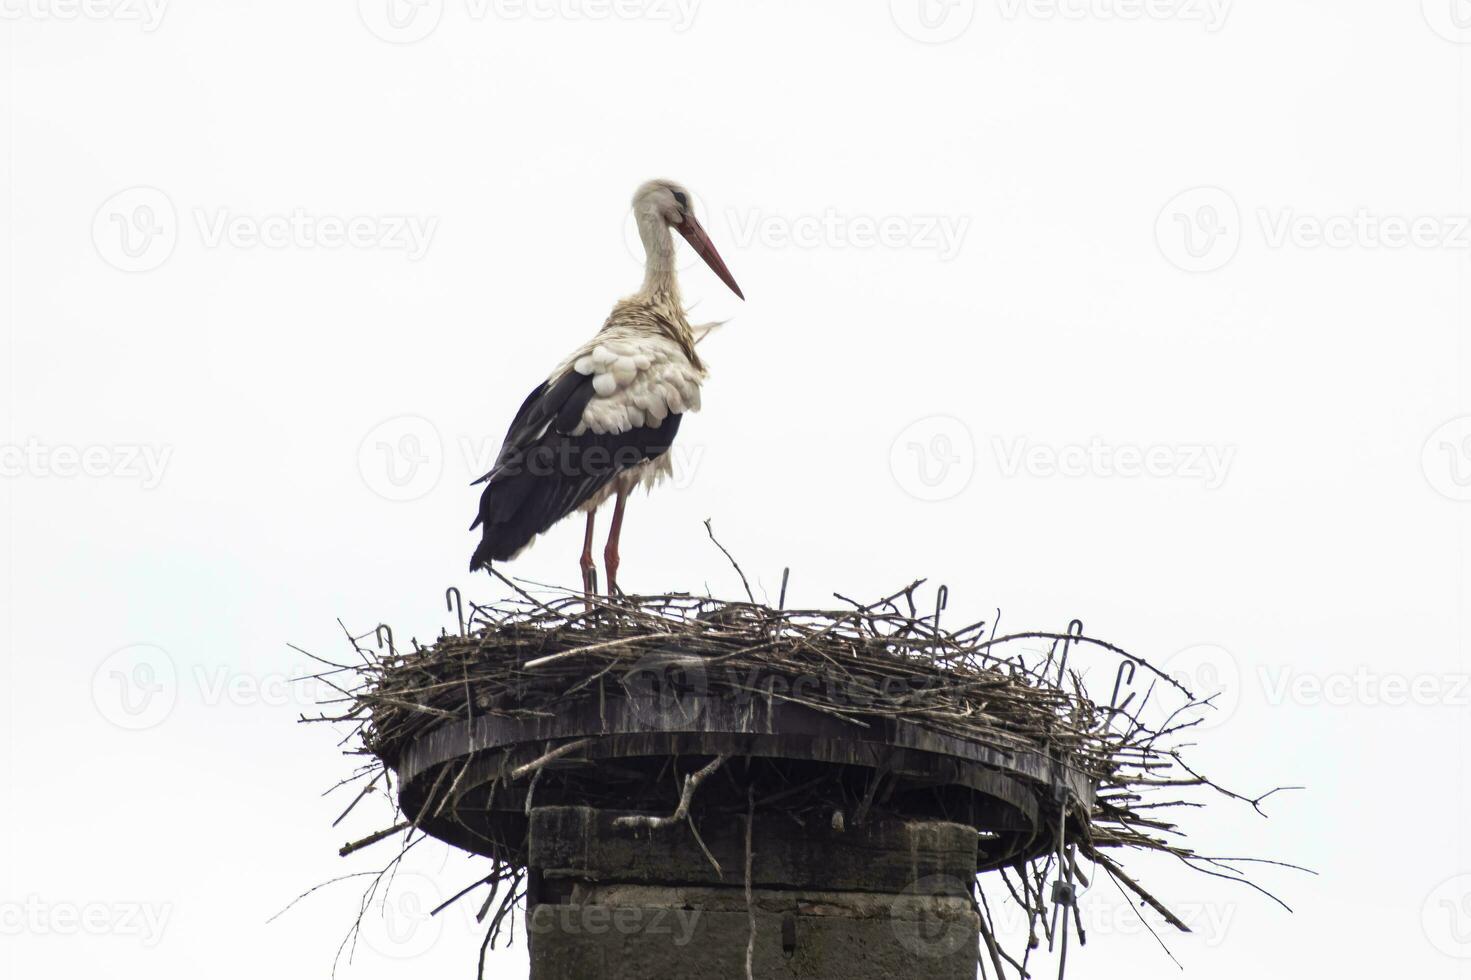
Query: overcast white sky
point(1152, 314)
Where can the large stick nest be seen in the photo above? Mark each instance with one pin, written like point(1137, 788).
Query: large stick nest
point(876, 664)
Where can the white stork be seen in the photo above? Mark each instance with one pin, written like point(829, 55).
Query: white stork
point(603, 421)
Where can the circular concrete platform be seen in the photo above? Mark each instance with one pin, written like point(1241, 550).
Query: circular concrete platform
point(457, 781)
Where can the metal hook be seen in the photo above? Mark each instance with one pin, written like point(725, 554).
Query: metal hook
point(453, 603)
point(1074, 632)
point(384, 628)
point(942, 599)
point(1114, 706)
point(786, 573)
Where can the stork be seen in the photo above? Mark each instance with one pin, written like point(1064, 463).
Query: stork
point(602, 422)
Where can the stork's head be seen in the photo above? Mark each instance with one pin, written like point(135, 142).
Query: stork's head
point(663, 204)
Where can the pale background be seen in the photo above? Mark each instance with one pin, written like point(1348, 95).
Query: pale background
point(215, 447)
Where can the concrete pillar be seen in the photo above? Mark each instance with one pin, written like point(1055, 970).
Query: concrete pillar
point(886, 900)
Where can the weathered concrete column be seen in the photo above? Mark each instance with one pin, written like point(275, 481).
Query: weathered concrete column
point(886, 900)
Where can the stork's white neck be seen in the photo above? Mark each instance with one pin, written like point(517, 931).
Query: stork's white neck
point(660, 282)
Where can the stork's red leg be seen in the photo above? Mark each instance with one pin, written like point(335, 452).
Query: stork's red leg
point(589, 568)
point(610, 553)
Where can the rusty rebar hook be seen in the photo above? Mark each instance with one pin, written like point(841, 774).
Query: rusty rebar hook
point(1114, 707)
point(453, 603)
point(384, 628)
point(942, 599)
point(1074, 632)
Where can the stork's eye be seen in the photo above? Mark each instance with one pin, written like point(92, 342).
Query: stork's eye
point(682, 198)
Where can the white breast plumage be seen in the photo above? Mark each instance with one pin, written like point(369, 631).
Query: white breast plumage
point(638, 379)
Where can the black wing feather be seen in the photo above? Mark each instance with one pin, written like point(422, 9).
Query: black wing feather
point(543, 472)
point(560, 401)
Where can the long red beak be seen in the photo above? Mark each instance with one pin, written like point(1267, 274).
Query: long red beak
point(693, 233)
